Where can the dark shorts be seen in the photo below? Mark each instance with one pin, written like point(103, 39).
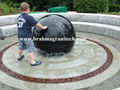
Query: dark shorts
point(26, 45)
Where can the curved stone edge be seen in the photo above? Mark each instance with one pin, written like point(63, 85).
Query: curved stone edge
point(103, 29)
point(80, 17)
point(116, 88)
point(72, 85)
point(8, 30)
point(86, 22)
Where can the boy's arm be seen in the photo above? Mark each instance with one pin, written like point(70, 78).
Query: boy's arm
point(41, 27)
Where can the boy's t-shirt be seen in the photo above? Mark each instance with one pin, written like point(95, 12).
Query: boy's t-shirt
point(25, 23)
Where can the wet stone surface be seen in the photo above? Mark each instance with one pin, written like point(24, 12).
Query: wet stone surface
point(83, 51)
point(53, 39)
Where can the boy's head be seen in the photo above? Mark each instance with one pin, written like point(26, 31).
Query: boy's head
point(24, 6)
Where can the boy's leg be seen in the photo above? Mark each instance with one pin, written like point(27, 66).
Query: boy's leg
point(32, 58)
point(31, 49)
point(20, 56)
point(19, 53)
point(21, 47)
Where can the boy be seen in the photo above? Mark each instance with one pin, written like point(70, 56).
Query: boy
point(25, 23)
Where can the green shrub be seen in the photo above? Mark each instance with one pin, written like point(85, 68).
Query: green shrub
point(90, 6)
point(103, 6)
point(114, 5)
point(7, 9)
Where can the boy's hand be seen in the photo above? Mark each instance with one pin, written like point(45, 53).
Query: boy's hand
point(41, 27)
point(45, 27)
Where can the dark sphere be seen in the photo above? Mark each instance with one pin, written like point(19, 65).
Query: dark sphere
point(59, 28)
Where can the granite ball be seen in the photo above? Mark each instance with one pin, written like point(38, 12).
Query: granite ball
point(57, 38)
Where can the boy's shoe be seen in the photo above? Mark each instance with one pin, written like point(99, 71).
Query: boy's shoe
point(20, 58)
point(36, 63)
point(2, 38)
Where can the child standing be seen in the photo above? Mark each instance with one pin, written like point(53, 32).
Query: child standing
point(25, 23)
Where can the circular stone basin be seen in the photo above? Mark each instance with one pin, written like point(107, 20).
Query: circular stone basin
point(88, 58)
point(55, 39)
point(85, 57)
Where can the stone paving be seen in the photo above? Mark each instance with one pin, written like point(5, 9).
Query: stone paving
point(114, 81)
point(106, 85)
point(4, 43)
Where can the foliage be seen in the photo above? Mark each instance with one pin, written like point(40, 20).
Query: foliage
point(7, 9)
point(41, 5)
point(103, 5)
point(87, 6)
point(112, 13)
point(114, 5)
point(90, 6)
point(4, 7)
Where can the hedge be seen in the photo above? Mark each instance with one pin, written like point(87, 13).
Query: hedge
point(114, 5)
point(90, 6)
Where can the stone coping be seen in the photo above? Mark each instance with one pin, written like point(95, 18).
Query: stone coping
point(103, 29)
point(86, 22)
point(81, 17)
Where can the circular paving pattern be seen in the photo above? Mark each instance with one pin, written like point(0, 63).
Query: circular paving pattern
point(90, 62)
point(87, 59)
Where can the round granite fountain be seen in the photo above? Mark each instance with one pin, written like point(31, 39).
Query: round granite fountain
point(92, 58)
point(58, 38)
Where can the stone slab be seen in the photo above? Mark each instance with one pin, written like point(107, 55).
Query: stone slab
point(103, 29)
point(8, 30)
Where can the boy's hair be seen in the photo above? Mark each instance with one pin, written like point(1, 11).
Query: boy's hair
point(24, 6)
